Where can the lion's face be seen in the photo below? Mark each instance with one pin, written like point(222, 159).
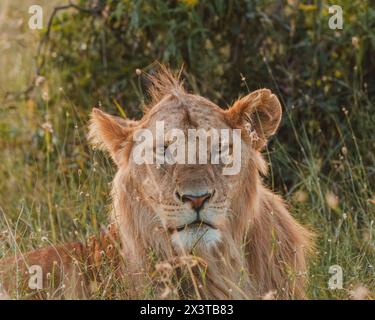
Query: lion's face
point(191, 201)
point(194, 203)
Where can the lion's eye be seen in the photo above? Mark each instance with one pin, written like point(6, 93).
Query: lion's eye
point(223, 148)
point(161, 149)
point(165, 149)
point(224, 152)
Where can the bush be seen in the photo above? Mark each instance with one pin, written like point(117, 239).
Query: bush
point(227, 48)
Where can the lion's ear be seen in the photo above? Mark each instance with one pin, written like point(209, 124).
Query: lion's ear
point(260, 113)
point(109, 132)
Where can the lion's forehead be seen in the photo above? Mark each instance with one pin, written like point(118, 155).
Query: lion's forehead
point(186, 116)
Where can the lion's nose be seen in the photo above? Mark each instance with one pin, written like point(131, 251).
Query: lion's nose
point(197, 202)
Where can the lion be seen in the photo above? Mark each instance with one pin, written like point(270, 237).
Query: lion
point(245, 241)
point(67, 270)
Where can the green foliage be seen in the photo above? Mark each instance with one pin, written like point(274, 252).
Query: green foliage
point(217, 41)
point(286, 47)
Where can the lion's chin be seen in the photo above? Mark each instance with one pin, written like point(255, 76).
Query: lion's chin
point(190, 238)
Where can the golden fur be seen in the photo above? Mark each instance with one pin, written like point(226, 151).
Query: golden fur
point(261, 247)
point(68, 270)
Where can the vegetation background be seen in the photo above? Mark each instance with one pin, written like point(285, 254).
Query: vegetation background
point(53, 188)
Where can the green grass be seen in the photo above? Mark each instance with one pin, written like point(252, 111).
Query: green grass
point(54, 188)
